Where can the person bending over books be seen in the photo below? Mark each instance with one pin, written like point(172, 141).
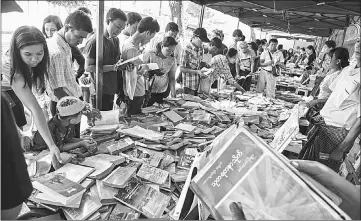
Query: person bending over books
point(62, 127)
point(245, 65)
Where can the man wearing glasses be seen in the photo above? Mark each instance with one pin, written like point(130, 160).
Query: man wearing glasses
point(190, 65)
point(62, 77)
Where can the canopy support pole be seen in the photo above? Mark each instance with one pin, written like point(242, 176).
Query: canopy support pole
point(201, 16)
point(99, 55)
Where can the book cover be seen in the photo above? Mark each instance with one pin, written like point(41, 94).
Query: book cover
point(24, 210)
point(73, 172)
point(87, 208)
point(108, 118)
point(185, 161)
point(39, 197)
point(140, 132)
point(246, 170)
point(119, 177)
point(143, 198)
point(55, 216)
point(287, 131)
point(120, 212)
point(87, 183)
point(186, 127)
point(173, 116)
point(153, 174)
point(121, 145)
point(58, 187)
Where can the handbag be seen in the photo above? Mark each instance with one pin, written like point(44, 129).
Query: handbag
point(275, 70)
point(205, 85)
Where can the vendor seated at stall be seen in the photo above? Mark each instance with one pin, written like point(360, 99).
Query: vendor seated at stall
point(301, 57)
point(338, 124)
point(339, 60)
point(61, 126)
point(221, 68)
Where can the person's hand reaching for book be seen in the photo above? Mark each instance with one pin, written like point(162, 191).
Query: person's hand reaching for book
point(237, 211)
point(348, 192)
point(90, 145)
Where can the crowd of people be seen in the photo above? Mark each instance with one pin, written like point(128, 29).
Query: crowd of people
point(42, 63)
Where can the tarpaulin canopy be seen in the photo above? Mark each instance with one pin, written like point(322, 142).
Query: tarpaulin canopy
point(310, 17)
point(10, 6)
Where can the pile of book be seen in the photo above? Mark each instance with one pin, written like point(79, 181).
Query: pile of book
point(142, 165)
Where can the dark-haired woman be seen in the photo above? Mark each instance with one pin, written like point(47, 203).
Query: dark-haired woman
point(221, 68)
point(311, 57)
point(339, 60)
point(52, 24)
point(163, 80)
point(25, 69)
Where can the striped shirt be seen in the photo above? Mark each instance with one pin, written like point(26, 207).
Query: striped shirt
point(221, 69)
point(61, 71)
point(191, 58)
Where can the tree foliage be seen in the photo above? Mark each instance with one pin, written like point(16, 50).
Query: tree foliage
point(69, 5)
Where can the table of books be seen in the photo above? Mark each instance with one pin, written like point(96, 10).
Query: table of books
point(145, 164)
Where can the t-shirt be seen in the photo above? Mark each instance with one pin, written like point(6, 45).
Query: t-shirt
point(277, 56)
point(167, 65)
point(128, 51)
point(60, 134)
point(15, 182)
point(245, 59)
point(111, 55)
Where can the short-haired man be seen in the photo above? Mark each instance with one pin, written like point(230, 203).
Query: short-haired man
point(115, 23)
point(269, 58)
point(62, 79)
point(133, 20)
point(190, 66)
point(171, 30)
point(146, 30)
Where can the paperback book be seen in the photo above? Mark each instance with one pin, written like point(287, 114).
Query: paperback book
point(87, 208)
point(119, 177)
point(153, 174)
point(143, 198)
point(59, 187)
point(247, 170)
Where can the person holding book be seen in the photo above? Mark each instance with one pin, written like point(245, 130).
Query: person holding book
point(349, 193)
point(146, 30)
point(62, 127)
point(162, 81)
point(244, 65)
point(115, 23)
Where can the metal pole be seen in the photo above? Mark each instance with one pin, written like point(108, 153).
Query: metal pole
point(344, 35)
point(201, 16)
point(238, 24)
point(99, 54)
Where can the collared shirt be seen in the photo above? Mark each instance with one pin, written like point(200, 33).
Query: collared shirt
point(221, 69)
point(111, 55)
point(325, 91)
point(61, 72)
point(343, 106)
point(245, 59)
point(277, 57)
point(60, 134)
point(167, 65)
point(130, 50)
point(158, 38)
point(191, 58)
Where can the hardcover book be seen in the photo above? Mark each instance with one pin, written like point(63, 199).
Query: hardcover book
point(143, 198)
point(106, 193)
point(59, 187)
point(119, 177)
point(247, 170)
point(153, 174)
point(39, 197)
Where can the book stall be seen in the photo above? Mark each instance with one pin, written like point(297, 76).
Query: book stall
point(143, 164)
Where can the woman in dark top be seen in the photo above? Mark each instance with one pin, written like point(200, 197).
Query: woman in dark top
point(311, 57)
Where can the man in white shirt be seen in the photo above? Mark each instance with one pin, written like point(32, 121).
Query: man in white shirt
point(133, 20)
point(338, 125)
point(269, 58)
